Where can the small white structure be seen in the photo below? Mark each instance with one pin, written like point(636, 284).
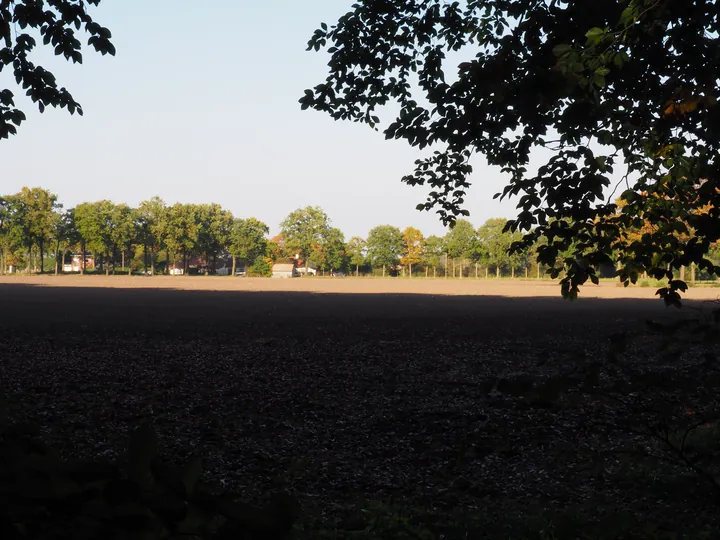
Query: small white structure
point(284, 270)
point(176, 271)
point(311, 271)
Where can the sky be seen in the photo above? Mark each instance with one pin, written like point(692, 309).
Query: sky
point(200, 105)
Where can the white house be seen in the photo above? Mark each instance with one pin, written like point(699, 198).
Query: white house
point(284, 270)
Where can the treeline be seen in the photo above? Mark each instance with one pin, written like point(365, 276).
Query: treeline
point(38, 235)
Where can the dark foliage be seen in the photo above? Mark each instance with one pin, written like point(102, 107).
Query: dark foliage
point(603, 85)
point(43, 496)
point(57, 23)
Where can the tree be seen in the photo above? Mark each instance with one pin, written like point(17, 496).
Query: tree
point(180, 231)
point(95, 226)
point(413, 247)
point(11, 233)
point(384, 246)
point(57, 22)
point(277, 248)
point(64, 233)
point(596, 85)
point(305, 228)
point(330, 253)
point(432, 255)
point(33, 219)
point(247, 240)
point(355, 249)
point(124, 233)
point(214, 226)
point(150, 222)
point(460, 242)
point(496, 243)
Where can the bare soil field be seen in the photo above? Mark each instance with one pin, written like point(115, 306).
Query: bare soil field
point(494, 405)
point(517, 288)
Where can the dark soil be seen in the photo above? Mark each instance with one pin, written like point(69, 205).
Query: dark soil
point(490, 414)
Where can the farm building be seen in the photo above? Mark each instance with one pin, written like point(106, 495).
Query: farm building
point(76, 264)
point(284, 270)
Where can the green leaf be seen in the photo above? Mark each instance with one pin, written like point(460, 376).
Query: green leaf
point(627, 16)
point(562, 49)
point(602, 71)
point(594, 33)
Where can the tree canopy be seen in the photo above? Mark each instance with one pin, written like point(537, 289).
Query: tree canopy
point(384, 246)
point(58, 23)
point(413, 246)
point(305, 228)
point(356, 248)
point(461, 240)
point(626, 85)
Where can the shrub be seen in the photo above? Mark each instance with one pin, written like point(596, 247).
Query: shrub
point(43, 496)
point(262, 267)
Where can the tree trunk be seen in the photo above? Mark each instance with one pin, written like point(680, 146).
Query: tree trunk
point(383, 270)
point(357, 270)
point(82, 266)
point(512, 272)
point(234, 265)
point(538, 270)
point(692, 273)
point(29, 261)
point(122, 258)
point(107, 266)
point(497, 271)
point(41, 248)
point(682, 273)
point(57, 257)
point(476, 270)
point(434, 272)
point(487, 271)
point(526, 272)
point(410, 270)
point(427, 271)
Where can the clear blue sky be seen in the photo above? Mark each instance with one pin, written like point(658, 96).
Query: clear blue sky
point(200, 105)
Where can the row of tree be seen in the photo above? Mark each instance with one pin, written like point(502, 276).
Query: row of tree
point(156, 236)
point(33, 226)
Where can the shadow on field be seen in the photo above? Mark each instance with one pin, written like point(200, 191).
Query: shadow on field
point(31, 307)
point(435, 402)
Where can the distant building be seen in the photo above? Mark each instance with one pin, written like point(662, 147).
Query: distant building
point(284, 270)
point(76, 264)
